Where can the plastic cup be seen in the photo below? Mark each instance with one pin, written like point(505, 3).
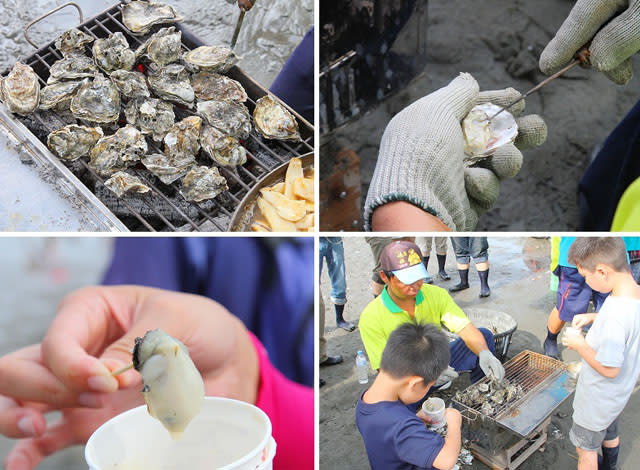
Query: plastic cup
point(570, 332)
point(226, 435)
point(434, 409)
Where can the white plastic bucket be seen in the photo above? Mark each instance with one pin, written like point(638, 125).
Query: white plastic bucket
point(226, 435)
point(434, 409)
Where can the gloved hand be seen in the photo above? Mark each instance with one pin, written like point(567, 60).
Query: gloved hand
point(448, 375)
point(422, 150)
point(491, 366)
point(611, 48)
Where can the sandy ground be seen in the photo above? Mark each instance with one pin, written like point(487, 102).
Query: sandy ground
point(519, 280)
point(499, 45)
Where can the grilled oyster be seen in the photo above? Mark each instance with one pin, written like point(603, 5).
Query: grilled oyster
point(274, 121)
point(113, 53)
point(227, 116)
point(131, 84)
point(121, 183)
point(60, 94)
point(97, 101)
point(151, 115)
point(202, 183)
point(114, 152)
point(139, 17)
point(164, 47)
point(223, 149)
point(184, 137)
point(169, 168)
point(72, 41)
point(73, 66)
point(20, 90)
point(213, 86)
point(210, 58)
point(171, 82)
point(72, 142)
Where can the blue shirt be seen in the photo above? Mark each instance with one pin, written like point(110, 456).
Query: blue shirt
point(563, 251)
point(395, 438)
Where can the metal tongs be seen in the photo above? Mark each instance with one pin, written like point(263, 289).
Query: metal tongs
point(236, 32)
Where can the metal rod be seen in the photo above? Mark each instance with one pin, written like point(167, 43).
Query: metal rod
point(40, 18)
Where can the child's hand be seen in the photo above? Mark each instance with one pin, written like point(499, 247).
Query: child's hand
point(583, 319)
point(453, 418)
point(423, 416)
point(573, 341)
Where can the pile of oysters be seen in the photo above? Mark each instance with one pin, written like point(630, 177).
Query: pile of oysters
point(490, 396)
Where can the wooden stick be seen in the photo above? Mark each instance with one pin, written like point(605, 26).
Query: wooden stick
point(122, 369)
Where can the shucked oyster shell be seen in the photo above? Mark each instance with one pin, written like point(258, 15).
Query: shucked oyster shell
point(122, 182)
point(202, 183)
point(483, 137)
point(171, 82)
point(223, 149)
point(151, 115)
point(210, 58)
point(20, 90)
point(113, 53)
point(97, 101)
point(274, 121)
point(114, 152)
point(74, 65)
point(169, 168)
point(72, 142)
point(184, 137)
point(227, 116)
point(213, 86)
point(139, 17)
point(59, 94)
point(163, 47)
point(131, 84)
point(73, 40)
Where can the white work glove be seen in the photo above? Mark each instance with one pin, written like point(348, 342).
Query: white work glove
point(611, 48)
point(448, 375)
point(422, 150)
point(491, 366)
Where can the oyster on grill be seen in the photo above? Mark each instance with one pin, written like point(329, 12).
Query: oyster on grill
point(73, 40)
point(97, 101)
point(131, 84)
point(163, 47)
point(202, 183)
point(60, 94)
point(72, 142)
point(184, 137)
point(213, 86)
point(151, 115)
point(223, 149)
point(139, 17)
point(227, 116)
point(71, 67)
point(274, 121)
point(169, 168)
point(122, 182)
point(20, 90)
point(171, 82)
point(113, 53)
point(210, 58)
point(489, 396)
point(115, 152)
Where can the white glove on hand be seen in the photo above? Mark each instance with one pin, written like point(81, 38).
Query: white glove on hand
point(422, 151)
point(448, 375)
point(611, 48)
point(491, 366)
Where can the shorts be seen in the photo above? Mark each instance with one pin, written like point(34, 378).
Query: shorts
point(574, 294)
point(466, 248)
point(592, 440)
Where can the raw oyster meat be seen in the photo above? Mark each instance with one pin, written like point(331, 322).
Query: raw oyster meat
point(227, 116)
point(184, 137)
point(171, 82)
point(97, 101)
point(20, 90)
point(139, 17)
point(274, 121)
point(113, 53)
point(122, 182)
point(151, 115)
point(73, 40)
point(223, 149)
point(115, 152)
point(59, 94)
point(213, 86)
point(210, 58)
point(72, 66)
point(481, 136)
point(164, 47)
point(202, 183)
point(72, 142)
point(131, 84)
point(169, 168)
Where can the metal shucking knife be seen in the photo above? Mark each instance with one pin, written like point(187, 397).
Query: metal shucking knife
point(236, 32)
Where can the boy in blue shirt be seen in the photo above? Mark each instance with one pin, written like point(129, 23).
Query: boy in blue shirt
point(394, 435)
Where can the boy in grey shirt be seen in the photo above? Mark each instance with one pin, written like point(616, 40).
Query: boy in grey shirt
point(610, 351)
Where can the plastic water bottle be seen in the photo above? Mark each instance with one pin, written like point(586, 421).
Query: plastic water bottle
point(361, 365)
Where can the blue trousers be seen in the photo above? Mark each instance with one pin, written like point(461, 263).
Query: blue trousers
point(332, 250)
point(462, 358)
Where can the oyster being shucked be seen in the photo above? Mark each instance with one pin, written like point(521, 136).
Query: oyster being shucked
point(139, 17)
point(113, 53)
point(184, 137)
point(59, 94)
point(171, 82)
point(20, 90)
point(202, 183)
point(73, 40)
point(131, 84)
point(115, 152)
point(223, 149)
point(227, 116)
point(213, 86)
point(163, 47)
point(169, 168)
point(72, 142)
point(122, 182)
point(274, 121)
point(73, 66)
point(210, 58)
point(151, 115)
point(482, 137)
point(97, 101)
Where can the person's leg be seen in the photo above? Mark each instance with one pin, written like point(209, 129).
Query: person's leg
point(587, 443)
point(479, 248)
point(335, 266)
point(426, 252)
point(461, 249)
point(610, 448)
point(441, 253)
point(587, 459)
point(325, 359)
point(463, 358)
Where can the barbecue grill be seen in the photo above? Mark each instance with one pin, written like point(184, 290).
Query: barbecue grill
point(163, 208)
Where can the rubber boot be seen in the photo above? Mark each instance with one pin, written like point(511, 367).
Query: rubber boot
point(425, 261)
point(609, 458)
point(340, 321)
point(442, 259)
point(464, 281)
point(551, 345)
point(484, 283)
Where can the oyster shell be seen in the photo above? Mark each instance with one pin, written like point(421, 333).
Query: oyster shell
point(114, 152)
point(202, 183)
point(73, 40)
point(184, 137)
point(122, 182)
point(210, 58)
point(213, 86)
point(223, 149)
point(97, 101)
point(168, 168)
point(59, 94)
point(274, 121)
point(73, 66)
point(483, 137)
point(151, 115)
point(113, 53)
point(163, 47)
point(20, 90)
point(227, 116)
point(139, 17)
point(131, 84)
point(72, 142)
point(171, 82)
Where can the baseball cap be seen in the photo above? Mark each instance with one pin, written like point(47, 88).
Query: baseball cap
point(404, 260)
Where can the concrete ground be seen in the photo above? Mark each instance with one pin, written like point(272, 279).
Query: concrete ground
point(519, 280)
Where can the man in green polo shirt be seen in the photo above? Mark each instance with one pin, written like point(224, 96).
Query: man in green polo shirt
point(405, 298)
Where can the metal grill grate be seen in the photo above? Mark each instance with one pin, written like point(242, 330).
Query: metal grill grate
point(163, 209)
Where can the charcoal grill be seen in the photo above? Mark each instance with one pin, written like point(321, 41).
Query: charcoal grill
point(161, 209)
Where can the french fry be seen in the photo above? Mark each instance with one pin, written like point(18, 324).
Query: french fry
point(294, 170)
point(277, 223)
point(288, 209)
point(256, 227)
point(278, 188)
point(303, 188)
point(305, 223)
point(310, 206)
